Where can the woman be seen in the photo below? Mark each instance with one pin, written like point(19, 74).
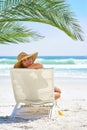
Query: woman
point(27, 61)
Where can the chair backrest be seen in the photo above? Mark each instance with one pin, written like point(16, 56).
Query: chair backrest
point(33, 86)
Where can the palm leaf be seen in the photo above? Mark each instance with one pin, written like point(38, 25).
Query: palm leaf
point(14, 33)
point(11, 32)
point(52, 12)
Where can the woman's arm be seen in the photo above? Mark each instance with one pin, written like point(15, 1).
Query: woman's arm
point(36, 66)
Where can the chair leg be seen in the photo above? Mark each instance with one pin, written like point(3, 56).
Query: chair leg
point(14, 111)
point(50, 113)
point(53, 114)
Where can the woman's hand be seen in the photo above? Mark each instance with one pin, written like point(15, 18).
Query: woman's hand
point(57, 93)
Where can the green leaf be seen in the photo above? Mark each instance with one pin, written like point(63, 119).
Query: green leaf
point(14, 33)
point(53, 12)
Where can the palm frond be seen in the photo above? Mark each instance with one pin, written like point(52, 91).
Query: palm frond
point(14, 33)
point(7, 3)
point(52, 12)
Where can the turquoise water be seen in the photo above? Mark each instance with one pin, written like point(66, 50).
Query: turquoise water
point(64, 66)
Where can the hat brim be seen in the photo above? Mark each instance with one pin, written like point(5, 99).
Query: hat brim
point(33, 56)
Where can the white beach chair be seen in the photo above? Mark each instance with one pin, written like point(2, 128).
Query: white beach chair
point(33, 91)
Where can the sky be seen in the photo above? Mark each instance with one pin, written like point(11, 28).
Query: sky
point(56, 42)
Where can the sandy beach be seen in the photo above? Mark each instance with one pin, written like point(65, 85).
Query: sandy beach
point(73, 103)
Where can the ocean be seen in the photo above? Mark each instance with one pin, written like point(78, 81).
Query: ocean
point(64, 66)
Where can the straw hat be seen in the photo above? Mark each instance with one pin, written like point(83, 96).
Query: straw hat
point(23, 56)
